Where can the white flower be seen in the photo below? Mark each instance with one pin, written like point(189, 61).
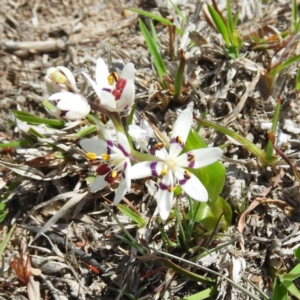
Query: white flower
point(114, 162)
point(171, 166)
point(69, 106)
point(60, 79)
point(115, 94)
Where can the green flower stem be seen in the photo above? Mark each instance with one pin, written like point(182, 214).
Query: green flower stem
point(143, 156)
point(115, 118)
point(270, 148)
point(47, 104)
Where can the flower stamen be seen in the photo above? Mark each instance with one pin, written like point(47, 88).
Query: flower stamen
point(105, 157)
point(91, 156)
point(112, 78)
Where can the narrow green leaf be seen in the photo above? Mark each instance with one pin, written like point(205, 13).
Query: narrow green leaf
point(179, 12)
point(292, 275)
point(36, 133)
point(178, 269)
point(279, 291)
point(178, 82)
point(154, 35)
point(294, 16)
point(298, 80)
point(160, 19)
point(203, 294)
point(132, 215)
point(86, 131)
point(259, 153)
point(283, 65)
point(229, 18)
point(270, 148)
point(221, 26)
point(292, 289)
point(22, 143)
point(30, 118)
point(152, 47)
point(6, 239)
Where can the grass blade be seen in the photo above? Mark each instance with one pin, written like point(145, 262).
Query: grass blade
point(160, 19)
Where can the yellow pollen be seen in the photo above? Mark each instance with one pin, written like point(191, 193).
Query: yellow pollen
point(191, 157)
point(172, 188)
point(179, 140)
point(163, 172)
point(114, 174)
point(187, 174)
point(91, 155)
point(112, 77)
point(105, 157)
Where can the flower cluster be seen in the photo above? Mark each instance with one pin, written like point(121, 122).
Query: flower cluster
point(111, 158)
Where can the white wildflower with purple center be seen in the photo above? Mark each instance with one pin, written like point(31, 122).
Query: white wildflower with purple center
point(116, 93)
point(171, 165)
point(112, 162)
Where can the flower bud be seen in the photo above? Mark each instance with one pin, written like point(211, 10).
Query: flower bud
point(60, 79)
point(69, 106)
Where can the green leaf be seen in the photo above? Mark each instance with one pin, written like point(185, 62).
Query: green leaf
point(297, 253)
point(6, 239)
point(86, 131)
point(132, 215)
point(160, 19)
point(203, 294)
point(208, 213)
point(212, 176)
point(30, 118)
point(179, 12)
point(229, 17)
point(270, 148)
point(259, 153)
point(221, 26)
point(16, 144)
point(179, 75)
point(279, 291)
point(298, 80)
point(152, 47)
point(292, 275)
point(283, 65)
point(292, 289)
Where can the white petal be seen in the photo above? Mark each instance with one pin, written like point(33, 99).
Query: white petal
point(162, 154)
point(93, 145)
point(127, 97)
point(127, 170)
point(76, 105)
point(123, 142)
point(181, 129)
point(128, 72)
point(108, 100)
point(98, 184)
point(192, 186)
point(94, 85)
point(73, 115)
point(146, 169)
point(164, 197)
point(70, 101)
point(102, 74)
point(203, 157)
point(120, 192)
point(69, 75)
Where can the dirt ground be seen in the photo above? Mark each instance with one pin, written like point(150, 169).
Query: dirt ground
point(82, 256)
